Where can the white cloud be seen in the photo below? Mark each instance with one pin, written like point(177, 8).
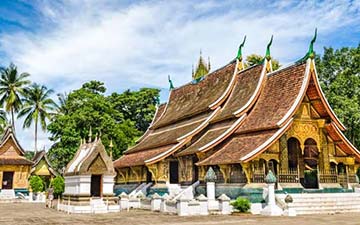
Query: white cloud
point(140, 44)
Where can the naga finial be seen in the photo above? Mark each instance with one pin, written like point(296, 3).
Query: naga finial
point(170, 83)
point(311, 53)
point(267, 54)
point(239, 55)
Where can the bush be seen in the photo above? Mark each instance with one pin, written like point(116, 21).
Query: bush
point(241, 204)
point(58, 185)
point(36, 184)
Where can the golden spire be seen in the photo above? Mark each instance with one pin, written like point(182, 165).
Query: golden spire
point(90, 134)
point(111, 147)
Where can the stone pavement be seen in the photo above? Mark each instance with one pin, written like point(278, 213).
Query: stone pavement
point(27, 213)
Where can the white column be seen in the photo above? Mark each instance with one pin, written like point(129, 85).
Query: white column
point(271, 208)
point(210, 190)
point(155, 202)
point(182, 207)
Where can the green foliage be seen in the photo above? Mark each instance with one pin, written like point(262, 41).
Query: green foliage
point(339, 74)
point(29, 155)
point(58, 184)
point(241, 204)
point(12, 85)
point(37, 107)
point(116, 117)
point(36, 184)
point(254, 59)
point(137, 106)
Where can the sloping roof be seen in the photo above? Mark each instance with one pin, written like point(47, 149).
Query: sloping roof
point(192, 99)
point(91, 158)
point(159, 112)
point(9, 134)
point(139, 158)
point(15, 161)
point(244, 90)
point(168, 135)
point(39, 155)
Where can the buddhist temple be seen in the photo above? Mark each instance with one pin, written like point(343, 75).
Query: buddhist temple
point(14, 167)
point(42, 167)
point(89, 180)
point(245, 122)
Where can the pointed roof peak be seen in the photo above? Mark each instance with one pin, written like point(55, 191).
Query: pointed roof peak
point(202, 68)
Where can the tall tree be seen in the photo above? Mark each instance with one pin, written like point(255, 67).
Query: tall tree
point(90, 107)
point(12, 86)
point(339, 74)
point(37, 108)
point(138, 106)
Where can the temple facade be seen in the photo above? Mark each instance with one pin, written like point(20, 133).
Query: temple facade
point(43, 168)
point(14, 167)
point(89, 180)
point(244, 122)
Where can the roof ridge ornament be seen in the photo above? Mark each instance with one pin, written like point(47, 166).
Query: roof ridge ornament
point(267, 54)
point(170, 83)
point(239, 56)
point(310, 53)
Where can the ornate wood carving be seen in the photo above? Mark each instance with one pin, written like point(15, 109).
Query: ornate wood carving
point(225, 170)
point(247, 170)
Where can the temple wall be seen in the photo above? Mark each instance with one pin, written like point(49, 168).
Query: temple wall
point(21, 175)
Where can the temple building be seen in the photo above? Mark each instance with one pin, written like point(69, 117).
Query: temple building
point(42, 167)
point(14, 167)
point(89, 180)
point(243, 122)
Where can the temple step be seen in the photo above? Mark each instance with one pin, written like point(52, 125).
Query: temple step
point(326, 203)
point(7, 194)
point(98, 205)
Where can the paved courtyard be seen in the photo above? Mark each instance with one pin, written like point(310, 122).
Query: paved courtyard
point(27, 213)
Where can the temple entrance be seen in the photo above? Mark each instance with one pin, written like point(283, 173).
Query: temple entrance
point(96, 185)
point(195, 171)
point(174, 172)
point(294, 152)
point(148, 176)
point(7, 182)
point(311, 158)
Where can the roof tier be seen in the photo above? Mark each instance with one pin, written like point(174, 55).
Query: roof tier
point(192, 99)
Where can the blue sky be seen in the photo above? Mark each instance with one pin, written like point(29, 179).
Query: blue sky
point(132, 44)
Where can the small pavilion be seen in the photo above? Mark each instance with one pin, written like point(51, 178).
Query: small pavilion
point(89, 181)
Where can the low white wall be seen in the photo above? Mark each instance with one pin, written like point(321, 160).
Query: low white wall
point(77, 185)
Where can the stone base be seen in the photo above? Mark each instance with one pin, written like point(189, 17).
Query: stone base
point(88, 209)
point(272, 211)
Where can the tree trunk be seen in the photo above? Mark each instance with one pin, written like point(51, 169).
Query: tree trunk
point(12, 119)
point(36, 128)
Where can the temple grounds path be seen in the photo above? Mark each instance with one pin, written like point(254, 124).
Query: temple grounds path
point(26, 213)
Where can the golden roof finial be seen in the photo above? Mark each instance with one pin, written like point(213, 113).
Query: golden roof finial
point(90, 134)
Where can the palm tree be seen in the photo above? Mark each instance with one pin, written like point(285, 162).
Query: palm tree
point(38, 107)
point(3, 120)
point(12, 86)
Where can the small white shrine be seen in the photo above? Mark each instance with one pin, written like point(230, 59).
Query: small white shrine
point(89, 181)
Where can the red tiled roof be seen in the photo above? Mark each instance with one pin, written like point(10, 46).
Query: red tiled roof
point(139, 158)
point(192, 99)
point(237, 147)
point(278, 96)
point(15, 161)
point(244, 88)
point(203, 140)
point(168, 135)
